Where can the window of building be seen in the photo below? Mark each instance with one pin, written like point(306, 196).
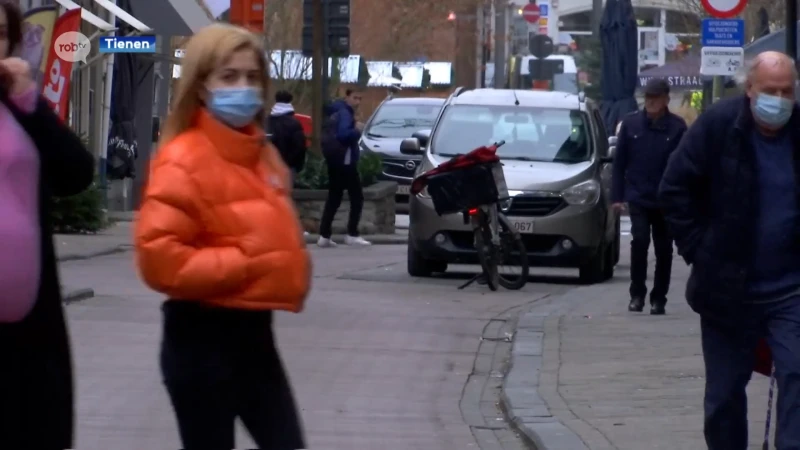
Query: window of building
point(647, 17)
point(682, 22)
point(581, 22)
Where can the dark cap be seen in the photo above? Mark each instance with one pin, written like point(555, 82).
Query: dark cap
point(656, 87)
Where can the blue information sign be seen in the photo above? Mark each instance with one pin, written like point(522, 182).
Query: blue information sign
point(544, 10)
point(722, 33)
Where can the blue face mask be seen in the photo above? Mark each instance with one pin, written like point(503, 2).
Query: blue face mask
point(772, 110)
point(235, 106)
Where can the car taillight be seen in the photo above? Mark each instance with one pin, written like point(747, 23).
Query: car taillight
point(473, 212)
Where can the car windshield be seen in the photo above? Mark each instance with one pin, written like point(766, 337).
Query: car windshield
point(401, 120)
point(531, 134)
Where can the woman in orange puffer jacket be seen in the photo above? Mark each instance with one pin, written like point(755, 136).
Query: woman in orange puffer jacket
point(218, 234)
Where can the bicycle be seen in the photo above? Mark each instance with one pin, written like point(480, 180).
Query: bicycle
point(473, 184)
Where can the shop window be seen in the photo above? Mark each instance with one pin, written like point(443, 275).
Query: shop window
point(581, 21)
point(647, 17)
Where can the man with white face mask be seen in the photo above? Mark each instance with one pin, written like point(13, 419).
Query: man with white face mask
point(732, 200)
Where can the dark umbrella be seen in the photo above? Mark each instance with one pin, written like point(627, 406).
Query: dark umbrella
point(618, 37)
point(122, 147)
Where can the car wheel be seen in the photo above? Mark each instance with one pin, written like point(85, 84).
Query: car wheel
point(418, 266)
point(594, 270)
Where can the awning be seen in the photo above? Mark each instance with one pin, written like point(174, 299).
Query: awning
point(173, 17)
point(160, 17)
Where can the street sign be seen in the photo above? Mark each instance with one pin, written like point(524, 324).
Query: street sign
point(722, 61)
point(722, 33)
point(531, 13)
point(541, 46)
point(543, 30)
point(543, 22)
point(544, 9)
point(724, 9)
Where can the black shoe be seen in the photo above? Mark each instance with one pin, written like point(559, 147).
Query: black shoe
point(636, 304)
point(658, 307)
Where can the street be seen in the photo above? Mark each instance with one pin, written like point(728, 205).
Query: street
point(377, 360)
point(381, 360)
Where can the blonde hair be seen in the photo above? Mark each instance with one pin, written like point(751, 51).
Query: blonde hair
point(206, 51)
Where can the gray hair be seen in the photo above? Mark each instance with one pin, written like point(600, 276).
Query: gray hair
point(749, 67)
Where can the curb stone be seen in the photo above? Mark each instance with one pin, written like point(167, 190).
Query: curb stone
point(76, 295)
point(376, 239)
point(525, 409)
point(104, 252)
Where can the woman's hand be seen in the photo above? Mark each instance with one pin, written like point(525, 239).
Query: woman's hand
point(19, 72)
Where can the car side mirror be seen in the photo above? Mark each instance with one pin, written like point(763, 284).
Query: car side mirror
point(410, 146)
point(423, 136)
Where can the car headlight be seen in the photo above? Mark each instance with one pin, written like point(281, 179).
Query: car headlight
point(586, 193)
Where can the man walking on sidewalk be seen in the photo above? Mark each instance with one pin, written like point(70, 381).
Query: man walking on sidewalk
point(645, 141)
point(732, 200)
point(287, 133)
point(341, 155)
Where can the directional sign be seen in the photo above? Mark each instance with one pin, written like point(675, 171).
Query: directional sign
point(722, 33)
point(724, 61)
point(531, 13)
point(724, 9)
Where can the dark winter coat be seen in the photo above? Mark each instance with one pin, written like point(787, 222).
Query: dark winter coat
point(288, 137)
point(36, 387)
point(709, 196)
point(643, 148)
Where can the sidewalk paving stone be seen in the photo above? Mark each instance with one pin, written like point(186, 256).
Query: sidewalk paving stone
point(587, 374)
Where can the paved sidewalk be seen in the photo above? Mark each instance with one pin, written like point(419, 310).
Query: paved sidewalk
point(587, 374)
point(117, 238)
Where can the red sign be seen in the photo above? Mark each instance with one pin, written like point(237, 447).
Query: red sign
point(58, 73)
point(531, 13)
point(724, 9)
point(305, 122)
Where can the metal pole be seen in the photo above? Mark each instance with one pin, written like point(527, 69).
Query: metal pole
point(500, 13)
point(326, 56)
point(791, 29)
point(597, 15)
point(316, 73)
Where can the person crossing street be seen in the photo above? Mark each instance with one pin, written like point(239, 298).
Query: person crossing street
point(645, 141)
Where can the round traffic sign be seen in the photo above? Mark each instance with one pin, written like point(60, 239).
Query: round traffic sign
point(724, 9)
point(531, 13)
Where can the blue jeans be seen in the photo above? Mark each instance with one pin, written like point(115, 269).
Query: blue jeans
point(729, 355)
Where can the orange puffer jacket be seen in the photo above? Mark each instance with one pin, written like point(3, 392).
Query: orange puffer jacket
point(217, 223)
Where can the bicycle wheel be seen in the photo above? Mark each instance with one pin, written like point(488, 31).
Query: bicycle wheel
point(486, 252)
point(512, 250)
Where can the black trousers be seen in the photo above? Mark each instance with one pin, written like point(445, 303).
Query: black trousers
point(644, 223)
point(342, 178)
point(219, 364)
point(36, 393)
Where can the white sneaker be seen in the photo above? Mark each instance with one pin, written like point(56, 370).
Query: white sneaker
point(325, 242)
point(356, 240)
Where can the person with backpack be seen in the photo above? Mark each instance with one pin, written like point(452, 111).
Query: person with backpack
point(287, 132)
point(340, 138)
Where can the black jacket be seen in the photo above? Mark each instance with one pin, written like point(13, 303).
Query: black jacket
point(643, 148)
point(36, 381)
point(709, 196)
point(289, 138)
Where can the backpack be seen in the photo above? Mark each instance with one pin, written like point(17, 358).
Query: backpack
point(332, 149)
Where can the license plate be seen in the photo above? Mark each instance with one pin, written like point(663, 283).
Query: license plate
point(524, 226)
point(403, 189)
